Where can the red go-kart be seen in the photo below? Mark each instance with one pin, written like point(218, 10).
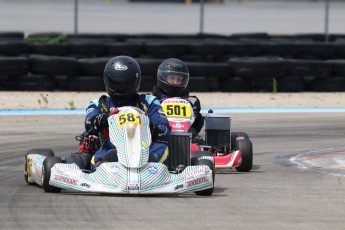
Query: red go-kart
point(229, 149)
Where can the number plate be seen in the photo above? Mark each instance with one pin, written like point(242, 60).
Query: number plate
point(182, 110)
point(129, 118)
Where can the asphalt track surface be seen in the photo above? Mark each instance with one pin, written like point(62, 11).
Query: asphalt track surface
point(276, 194)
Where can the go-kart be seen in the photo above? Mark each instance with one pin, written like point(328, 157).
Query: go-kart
point(130, 173)
point(230, 149)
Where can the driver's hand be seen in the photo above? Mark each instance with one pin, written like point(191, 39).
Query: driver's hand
point(101, 121)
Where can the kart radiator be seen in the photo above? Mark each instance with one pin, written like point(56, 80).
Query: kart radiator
point(179, 149)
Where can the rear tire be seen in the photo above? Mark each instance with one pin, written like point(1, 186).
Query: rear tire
point(48, 163)
point(246, 147)
point(43, 152)
point(210, 164)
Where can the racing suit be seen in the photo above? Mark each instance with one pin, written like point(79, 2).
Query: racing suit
point(159, 124)
point(194, 101)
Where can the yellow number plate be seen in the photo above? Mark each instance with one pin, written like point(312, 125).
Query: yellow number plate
point(129, 118)
point(177, 110)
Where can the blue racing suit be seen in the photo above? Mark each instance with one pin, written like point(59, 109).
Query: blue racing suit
point(159, 124)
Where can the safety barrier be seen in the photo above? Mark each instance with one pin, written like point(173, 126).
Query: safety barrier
point(235, 63)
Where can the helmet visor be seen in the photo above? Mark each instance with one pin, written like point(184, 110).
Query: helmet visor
point(174, 78)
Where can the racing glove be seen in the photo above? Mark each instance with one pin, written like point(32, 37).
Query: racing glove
point(101, 121)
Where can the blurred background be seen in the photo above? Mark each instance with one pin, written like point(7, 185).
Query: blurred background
point(228, 45)
point(171, 16)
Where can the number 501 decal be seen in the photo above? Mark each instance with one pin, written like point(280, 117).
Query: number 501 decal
point(129, 118)
point(178, 110)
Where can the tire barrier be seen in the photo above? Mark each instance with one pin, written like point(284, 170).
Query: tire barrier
point(309, 69)
point(84, 50)
point(149, 66)
point(13, 48)
point(13, 66)
point(338, 67)
point(165, 49)
point(92, 66)
point(53, 65)
point(11, 36)
point(31, 82)
point(84, 83)
point(330, 84)
point(237, 63)
point(147, 82)
point(258, 67)
point(49, 49)
point(120, 48)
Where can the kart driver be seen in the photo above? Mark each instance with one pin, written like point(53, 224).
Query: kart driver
point(122, 77)
point(172, 80)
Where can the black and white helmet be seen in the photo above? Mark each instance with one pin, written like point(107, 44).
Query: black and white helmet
point(172, 76)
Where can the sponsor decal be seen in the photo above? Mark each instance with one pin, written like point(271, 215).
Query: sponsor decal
point(192, 173)
point(66, 180)
point(178, 186)
point(161, 111)
point(240, 138)
point(197, 181)
point(89, 110)
point(239, 162)
point(114, 169)
point(85, 185)
point(59, 168)
point(120, 67)
point(144, 145)
point(178, 125)
point(133, 187)
point(175, 101)
point(29, 168)
point(153, 169)
point(104, 107)
point(38, 173)
point(37, 169)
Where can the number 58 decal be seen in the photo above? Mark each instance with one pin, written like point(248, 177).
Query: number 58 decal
point(129, 118)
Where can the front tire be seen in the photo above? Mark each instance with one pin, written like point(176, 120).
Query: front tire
point(48, 163)
point(235, 135)
point(43, 152)
point(210, 164)
point(246, 148)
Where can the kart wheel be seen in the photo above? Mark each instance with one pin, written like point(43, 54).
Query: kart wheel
point(246, 148)
point(43, 152)
point(48, 163)
point(210, 164)
point(196, 154)
point(234, 136)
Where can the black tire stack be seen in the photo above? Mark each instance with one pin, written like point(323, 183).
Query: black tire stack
point(248, 62)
